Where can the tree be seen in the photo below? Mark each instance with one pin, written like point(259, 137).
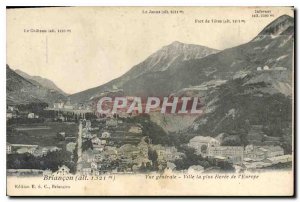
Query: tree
point(204, 149)
point(152, 156)
point(87, 145)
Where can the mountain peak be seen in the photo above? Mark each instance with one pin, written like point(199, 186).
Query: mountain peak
point(41, 81)
point(175, 43)
point(283, 25)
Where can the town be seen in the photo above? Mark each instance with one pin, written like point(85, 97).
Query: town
point(64, 139)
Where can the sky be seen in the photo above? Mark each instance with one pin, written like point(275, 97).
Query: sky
point(102, 43)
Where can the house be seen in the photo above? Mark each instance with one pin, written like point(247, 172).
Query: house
point(68, 105)
point(128, 150)
point(88, 156)
point(279, 159)
point(22, 148)
point(85, 168)
point(62, 133)
point(258, 68)
point(266, 67)
point(47, 172)
point(98, 157)
point(170, 167)
point(280, 68)
point(253, 153)
point(99, 147)
point(88, 125)
point(258, 153)
point(172, 154)
point(111, 122)
point(110, 155)
point(195, 168)
point(70, 147)
point(8, 148)
point(9, 115)
point(202, 144)
point(252, 166)
point(140, 160)
point(270, 140)
point(105, 134)
point(96, 141)
point(40, 151)
point(161, 152)
point(234, 154)
point(25, 150)
point(30, 116)
point(104, 142)
point(61, 118)
point(94, 165)
point(272, 151)
point(63, 170)
point(135, 129)
point(11, 108)
point(58, 105)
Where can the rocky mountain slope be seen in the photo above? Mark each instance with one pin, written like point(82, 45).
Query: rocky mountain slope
point(167, 59)
point(179, 66)
point(22, 91)
point(40, 81)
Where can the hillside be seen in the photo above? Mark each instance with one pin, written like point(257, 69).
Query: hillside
point(46, 83)
point(159, 63)
point(179, 66)
point(22, 91)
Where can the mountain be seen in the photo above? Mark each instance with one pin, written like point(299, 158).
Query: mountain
point(284, 25)
point(40, 81)
point(164, 60)
point(240, 86)
point(179, 65)
point(22, 91)
point(260, 95)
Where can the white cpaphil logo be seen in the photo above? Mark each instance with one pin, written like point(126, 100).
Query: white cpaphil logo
point(179, 105)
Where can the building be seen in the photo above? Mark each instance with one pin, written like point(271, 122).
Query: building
point(270, 140)
point(24, 150)
point(195, 168)
point(21, 148)
point(253, 153)
point(280, 68)
point(58, 105)
point(88, 156)
point(63, 170)
point(111, 122)
point(202, 144)
point(128, 150)
point(233, 154)
point(279, 159)
point(258, 68)
point(272, 151)
point(105, 134)
point(88, 125)
point(135, 129)
point(8, 148)
point(96, 141)
point(30, 116)
point(170, 167)
point(258, 153)
point(9, 115)
point(161, 152)
point(85, 168)
point(68, 105)
point(266, 67)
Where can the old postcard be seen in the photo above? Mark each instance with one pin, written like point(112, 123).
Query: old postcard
point(150, 101)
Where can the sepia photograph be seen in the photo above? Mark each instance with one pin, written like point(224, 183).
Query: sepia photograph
point(150, 101)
